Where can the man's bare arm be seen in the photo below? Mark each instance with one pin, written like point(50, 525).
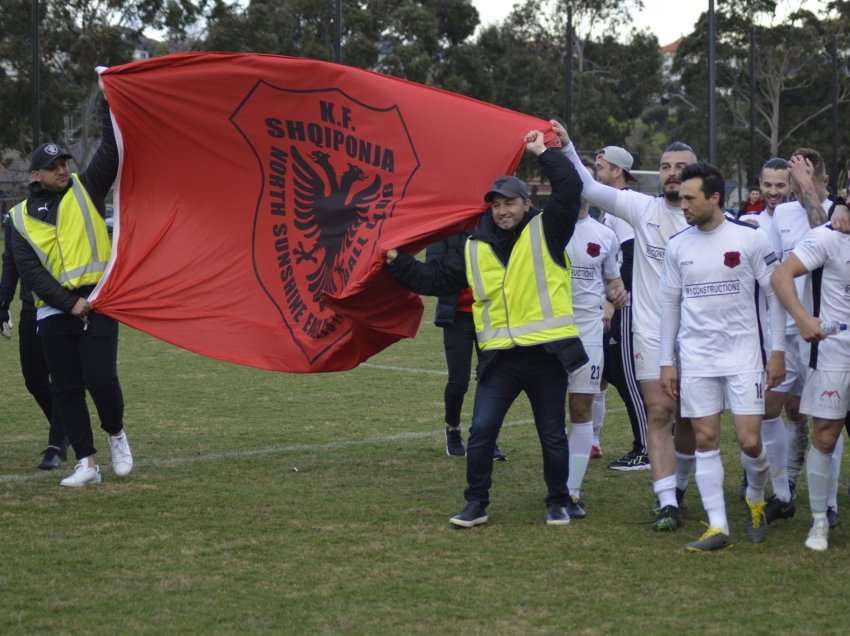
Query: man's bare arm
point(802, 172)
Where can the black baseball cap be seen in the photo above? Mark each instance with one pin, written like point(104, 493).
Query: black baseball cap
point(508, 187)
point(46, 154)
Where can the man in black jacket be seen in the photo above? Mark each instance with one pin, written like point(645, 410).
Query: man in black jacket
point(33, 364)
point(454, 316)
point(528, 343)
point(81, 346)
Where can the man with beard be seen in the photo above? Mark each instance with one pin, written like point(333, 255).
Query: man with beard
point(790, 223)
point(612, 168)
point(654, 220)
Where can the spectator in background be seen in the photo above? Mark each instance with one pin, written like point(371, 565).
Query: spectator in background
point(33, 364)
point(454, 316)
point(754, 203)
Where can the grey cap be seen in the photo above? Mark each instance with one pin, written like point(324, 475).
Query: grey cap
point(619, 157)
point(508, 187)
point(46, 154)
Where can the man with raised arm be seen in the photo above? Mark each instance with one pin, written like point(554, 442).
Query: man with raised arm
point(523, 314)
point(654, 220)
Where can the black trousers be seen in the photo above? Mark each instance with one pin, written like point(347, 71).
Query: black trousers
point(620, 372)
point(36, 375)
point(81, 359)
point(540, 375)
point(458, 343)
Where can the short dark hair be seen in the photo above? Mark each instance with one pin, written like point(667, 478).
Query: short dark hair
point(680, 146)
point(775, 163)
point(712, 180)
point(814, 157)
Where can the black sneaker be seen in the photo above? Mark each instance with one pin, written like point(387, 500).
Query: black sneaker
point(832, 517)
point(474, 514)
point(557, 515)
point(498, 455)
point(633, 460)
point(51, 458)
point(454, 443)
point(778, 509)
point(576, 509)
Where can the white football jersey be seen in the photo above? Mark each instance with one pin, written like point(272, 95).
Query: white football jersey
point(592, 251)
point(654, 221)
point(830, 289)
point(790, 224)
point(717, 273)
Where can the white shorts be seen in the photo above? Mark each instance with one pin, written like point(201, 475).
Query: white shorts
point(826, 394)
point(743, 394)
point(588, 378)
point(647, 352)
point(795, 367)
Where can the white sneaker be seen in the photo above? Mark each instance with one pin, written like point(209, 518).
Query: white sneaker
point(122, 457)
point(818, 538)
point(83, 475)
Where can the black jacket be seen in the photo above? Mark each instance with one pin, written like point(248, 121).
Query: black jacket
point(9, 279)
point(446, 304)
point(43, 204)
point(447, 275)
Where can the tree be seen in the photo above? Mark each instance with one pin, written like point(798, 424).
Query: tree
point(75, 36)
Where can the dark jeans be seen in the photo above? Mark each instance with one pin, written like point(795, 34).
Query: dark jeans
point(458, 342)
point(619, 371)
point(36, 375)
point(81, 360)
point(542, 377)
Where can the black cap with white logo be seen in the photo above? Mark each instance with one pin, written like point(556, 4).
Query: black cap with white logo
point(46, 154)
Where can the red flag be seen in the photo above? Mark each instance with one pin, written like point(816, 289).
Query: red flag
point(257, 195)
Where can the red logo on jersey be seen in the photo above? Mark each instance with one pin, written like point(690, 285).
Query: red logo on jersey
point(831, 395)
point(593, 249)
point(732, 259)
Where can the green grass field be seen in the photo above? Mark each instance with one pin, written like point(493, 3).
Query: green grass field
point(286, 504)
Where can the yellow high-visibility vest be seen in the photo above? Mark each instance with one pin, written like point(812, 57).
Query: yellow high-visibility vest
point(527, 303)
point(76, 250)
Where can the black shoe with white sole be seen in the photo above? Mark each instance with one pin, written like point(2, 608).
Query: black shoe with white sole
point(474, 514)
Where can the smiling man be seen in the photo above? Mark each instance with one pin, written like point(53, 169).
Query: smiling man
point(514, 261)
point(654, 220)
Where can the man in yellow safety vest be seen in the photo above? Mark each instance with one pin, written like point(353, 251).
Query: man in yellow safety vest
point(522, 310)
point(61, 248)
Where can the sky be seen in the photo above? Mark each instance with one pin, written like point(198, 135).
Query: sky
point(667, 19)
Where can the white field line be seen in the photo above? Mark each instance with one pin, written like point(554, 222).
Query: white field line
point(282, 449)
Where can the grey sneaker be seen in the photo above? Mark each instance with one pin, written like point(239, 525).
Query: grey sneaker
point(832, 517)
point(756, 522)
point(575, 509)
point(556, 515)
point(474, 514)
point(711, 540)
point(778, 509)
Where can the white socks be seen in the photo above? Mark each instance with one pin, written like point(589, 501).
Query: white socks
point(709, 477)
point(798, 435)
point(819, 475)
point(580, 441)
point(665, 490)
point(775, 439)
point(598, 416)
point(684, 466)
point(837, 454)
point(757, 470)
